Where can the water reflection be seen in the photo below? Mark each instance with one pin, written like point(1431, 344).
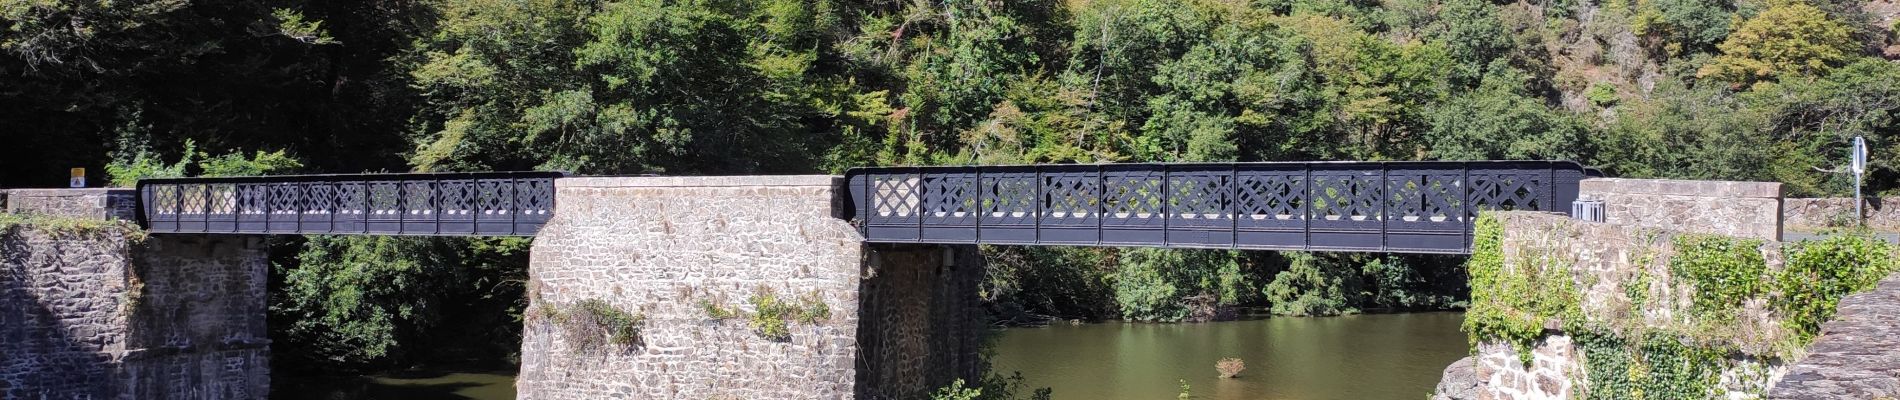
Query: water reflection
point(1397, 356)
point(419, 385)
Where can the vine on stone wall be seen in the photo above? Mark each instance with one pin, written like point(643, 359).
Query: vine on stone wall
point(1819, 273)
point(1518, 299)
point(1626, 359)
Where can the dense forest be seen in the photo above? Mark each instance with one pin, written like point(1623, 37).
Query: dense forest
point(1718, 89)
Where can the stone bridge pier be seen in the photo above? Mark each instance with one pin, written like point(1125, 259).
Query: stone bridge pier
point(738, 288)
point(92, 308)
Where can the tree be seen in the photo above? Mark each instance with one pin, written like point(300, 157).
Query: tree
point(1500, 120)
point(1790, 39)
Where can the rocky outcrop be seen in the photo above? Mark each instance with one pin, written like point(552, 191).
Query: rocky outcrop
point(1460, 381)
point(1858, 353)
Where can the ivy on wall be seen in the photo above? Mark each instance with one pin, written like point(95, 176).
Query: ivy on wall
point(1626, 357)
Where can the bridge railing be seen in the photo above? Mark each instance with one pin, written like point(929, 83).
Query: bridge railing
point(1417, 207)
point(485, 204)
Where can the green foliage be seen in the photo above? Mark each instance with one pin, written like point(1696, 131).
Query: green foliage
point(1502, 120)
point(1513, 303)
point(368, 301)
point(1310, 287)
point(1022, 283)
point(1187, 392)
point(74, 227)
point(956, 391)
point(717, 311)
point(1817, 274)
point(1602, 94)
point(1686, 26)
point(590, 324)
point(1658, 366)
point(292, 24)
point(1725, 271)
point(772, 316)
point(142, 163)
point(1788, 39)
point(1629, 357)
point(1152, 283)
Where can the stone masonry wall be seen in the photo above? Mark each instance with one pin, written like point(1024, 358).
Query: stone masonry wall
point(1858, 353)
point(920, 321)
point(1745, 209)
point(95, 204)
point(687, 255)
point(98, 311)
point(1821, 213)
point(1604, 260)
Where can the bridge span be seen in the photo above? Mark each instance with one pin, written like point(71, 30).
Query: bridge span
point(1415, 207)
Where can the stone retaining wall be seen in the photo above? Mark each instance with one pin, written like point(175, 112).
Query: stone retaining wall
point(1834, 212)
point(688, 255)
point(1746, 209)
point(98, 311)
point(1605, 264)
point(1858, 353)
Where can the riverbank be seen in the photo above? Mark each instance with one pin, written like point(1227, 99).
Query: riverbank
point(406, 385)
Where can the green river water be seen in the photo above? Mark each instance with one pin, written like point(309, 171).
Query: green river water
point(1360, 357)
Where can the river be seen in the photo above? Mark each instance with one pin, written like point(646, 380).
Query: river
point(1359, 357)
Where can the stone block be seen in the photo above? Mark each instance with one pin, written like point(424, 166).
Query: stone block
point(1748, 209)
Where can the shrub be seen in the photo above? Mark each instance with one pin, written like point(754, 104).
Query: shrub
point(957, 391)
point(1230, 367)
point(1819, 273)
point(1312, 287)
point(593, 323)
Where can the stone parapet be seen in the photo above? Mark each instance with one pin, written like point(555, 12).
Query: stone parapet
point(1745, 209)
point(90, 203)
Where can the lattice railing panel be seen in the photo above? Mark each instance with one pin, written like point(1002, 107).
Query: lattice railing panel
point(497, 204)
point(1372, 206)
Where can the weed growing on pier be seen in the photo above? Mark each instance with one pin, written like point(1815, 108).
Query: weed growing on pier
point(593, 323)
point(773, 315)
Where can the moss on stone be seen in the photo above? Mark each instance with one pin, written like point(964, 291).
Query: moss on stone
point(80, 227)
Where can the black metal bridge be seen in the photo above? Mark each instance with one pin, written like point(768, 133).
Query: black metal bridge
point(1411, 207)
point(1414, 207)
point(484, 204)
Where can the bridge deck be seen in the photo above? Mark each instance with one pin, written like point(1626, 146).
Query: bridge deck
point(1414, 207)
point(486, 204)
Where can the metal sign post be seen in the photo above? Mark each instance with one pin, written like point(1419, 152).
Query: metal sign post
point(1859, 165)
